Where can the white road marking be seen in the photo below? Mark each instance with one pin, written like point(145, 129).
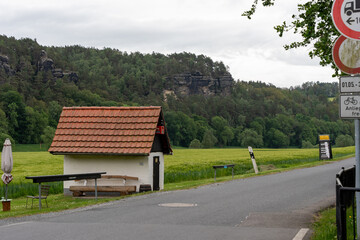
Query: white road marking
point(14, 224)
point(301, 234)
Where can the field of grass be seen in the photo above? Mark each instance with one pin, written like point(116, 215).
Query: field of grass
point(185, 165)
point(194, 164)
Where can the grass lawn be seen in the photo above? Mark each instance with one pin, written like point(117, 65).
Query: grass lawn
point(195, 164)
point(56, 202)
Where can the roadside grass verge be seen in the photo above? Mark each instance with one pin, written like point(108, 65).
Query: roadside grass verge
point(324, 226)
point(56, 202)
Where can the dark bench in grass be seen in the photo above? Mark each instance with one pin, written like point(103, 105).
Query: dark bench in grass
point(123, 190)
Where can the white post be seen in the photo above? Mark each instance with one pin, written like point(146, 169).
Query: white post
point(357, 175)
point(252, 156)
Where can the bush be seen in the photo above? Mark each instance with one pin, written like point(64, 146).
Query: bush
point(250, 137)
point(209, 140)
point(3, 137)
point(344, 141)
point(306, 144)
point(195, 144)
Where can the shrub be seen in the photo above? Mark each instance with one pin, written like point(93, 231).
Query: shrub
point(306, 144)
point(344, 141)
point(195, 144)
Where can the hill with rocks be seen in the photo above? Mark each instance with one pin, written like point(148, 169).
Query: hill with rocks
point(203, 105)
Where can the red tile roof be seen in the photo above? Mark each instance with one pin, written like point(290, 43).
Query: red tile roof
point(107, 130)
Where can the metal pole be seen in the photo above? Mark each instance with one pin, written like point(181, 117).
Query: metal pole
point(40, 196)
point(96, 189)
point(357, 175)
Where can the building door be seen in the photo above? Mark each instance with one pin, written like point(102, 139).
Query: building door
point(156, 173)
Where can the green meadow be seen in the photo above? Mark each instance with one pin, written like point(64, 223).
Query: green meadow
point(185, 165)
point(194, 164)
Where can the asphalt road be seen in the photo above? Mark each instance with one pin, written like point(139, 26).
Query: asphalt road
point(269, 207)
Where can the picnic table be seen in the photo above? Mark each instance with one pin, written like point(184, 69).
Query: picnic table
point(225, 166)
point(65, 177)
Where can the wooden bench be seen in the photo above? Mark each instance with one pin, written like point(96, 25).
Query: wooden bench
point(123, 190)
point(120, 176)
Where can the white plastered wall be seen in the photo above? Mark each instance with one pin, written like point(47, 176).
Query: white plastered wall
point(135, 166)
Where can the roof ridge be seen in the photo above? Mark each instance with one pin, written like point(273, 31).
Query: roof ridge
point(111, 108)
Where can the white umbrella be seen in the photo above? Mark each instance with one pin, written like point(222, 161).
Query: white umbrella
point(6, 164)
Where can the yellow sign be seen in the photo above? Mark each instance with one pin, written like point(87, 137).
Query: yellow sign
point(324, 137)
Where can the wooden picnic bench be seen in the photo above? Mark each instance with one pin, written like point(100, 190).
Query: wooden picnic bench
point(123, 190)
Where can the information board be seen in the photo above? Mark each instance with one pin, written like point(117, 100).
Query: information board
point(325, 151)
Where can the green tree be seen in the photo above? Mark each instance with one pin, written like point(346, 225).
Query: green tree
point(222, 130)
point(344, 141)
point(3, 137)
point(54, 113)
point(3, 122)
point(48, 136)
point(249, 137)
point(277, 139)
point(313, 22)
point(181, 128)
point(209, 140)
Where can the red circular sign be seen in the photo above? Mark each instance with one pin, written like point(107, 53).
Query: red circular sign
point(338, 49)
point(345, 15)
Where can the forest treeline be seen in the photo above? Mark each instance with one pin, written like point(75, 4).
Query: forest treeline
point(253, 113)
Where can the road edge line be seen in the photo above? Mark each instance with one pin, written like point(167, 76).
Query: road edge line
point(301, 234)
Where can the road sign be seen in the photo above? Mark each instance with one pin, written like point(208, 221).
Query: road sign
point(324, 147)
point(350, 84)
point(346, 17)
point(350, 106)
point(346, 55)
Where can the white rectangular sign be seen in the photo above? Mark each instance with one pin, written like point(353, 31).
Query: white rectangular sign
point(350, 106)
point(350, 84)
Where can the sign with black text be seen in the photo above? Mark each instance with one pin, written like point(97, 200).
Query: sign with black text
point(325, 151)
point(350, 84)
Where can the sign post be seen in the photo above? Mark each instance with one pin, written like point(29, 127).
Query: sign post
point(346, 18)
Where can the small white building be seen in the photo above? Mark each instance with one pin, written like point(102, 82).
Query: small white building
point(126, 141)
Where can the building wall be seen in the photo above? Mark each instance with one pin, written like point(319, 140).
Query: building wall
point(135, 166)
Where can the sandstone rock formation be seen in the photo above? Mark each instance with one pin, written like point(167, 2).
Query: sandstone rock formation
point(4, 63)
point(196, 83)
point(47, 64)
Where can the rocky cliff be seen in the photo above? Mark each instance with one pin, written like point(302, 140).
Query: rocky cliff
point(4, 64)
point(47, 64)
point(197, 83)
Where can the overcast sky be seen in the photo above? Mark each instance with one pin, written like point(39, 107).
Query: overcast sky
point(215, 28)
